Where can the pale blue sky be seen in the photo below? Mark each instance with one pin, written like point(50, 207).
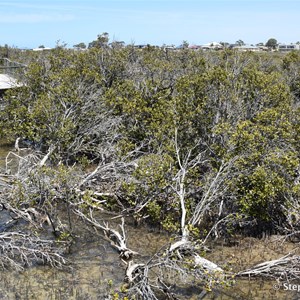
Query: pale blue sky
point(30, 23)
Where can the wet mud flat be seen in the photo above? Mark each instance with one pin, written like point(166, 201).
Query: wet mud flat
point(94, 271)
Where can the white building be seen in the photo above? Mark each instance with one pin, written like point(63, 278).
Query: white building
point(291, 47)
point(212, 45)
point(245, 48)
point(41, 49)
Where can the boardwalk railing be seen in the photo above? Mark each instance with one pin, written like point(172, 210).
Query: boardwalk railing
point(11, 68)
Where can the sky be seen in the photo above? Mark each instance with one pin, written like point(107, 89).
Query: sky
point(31, 23)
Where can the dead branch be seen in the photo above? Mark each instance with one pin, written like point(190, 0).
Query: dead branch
point(186, 164)
point(133, 271)
point(46, 157)
point(117, 239)
point(32, 215)
point(19, 250)
point(286, 267)
point(207, 264)
point(214, 189)
point(183, 248)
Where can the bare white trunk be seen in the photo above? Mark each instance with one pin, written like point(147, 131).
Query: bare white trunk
point(46, 157)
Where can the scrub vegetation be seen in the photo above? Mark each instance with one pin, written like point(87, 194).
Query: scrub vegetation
point(203, 145)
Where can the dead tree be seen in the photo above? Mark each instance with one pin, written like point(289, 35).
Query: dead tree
point(148, 279)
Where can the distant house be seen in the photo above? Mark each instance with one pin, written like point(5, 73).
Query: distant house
point(41, 49)
point(212, 46)
point(169, 47)
point(194, 47)
point(263, 48)
point(141, 46)
point(180, 47)
point(285, 48)
point(246, 48)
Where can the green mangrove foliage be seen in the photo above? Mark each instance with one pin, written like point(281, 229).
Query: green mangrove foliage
point(176, 117)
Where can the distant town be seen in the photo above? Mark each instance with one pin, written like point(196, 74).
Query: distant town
point(103, 41)
point(271, 45)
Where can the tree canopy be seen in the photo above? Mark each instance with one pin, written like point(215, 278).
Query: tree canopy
point(271, 43)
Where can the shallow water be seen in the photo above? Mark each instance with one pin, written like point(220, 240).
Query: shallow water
point(95, 270)
point(4, 149)
point(247, 253)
